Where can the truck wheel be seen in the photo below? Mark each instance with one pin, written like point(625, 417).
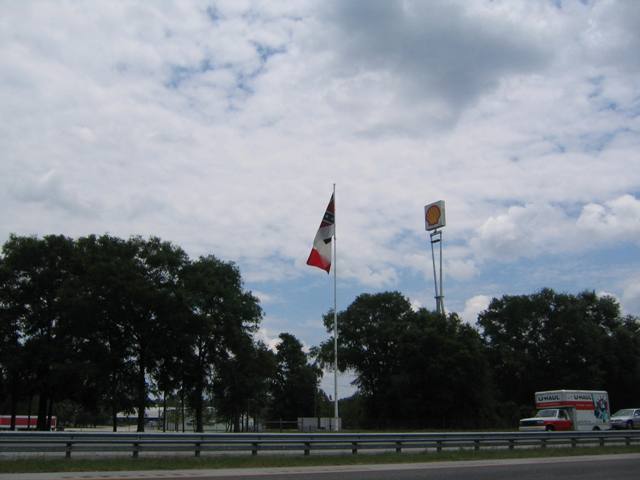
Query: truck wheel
point(630, 424)
point(596, 429)
point(550, 428)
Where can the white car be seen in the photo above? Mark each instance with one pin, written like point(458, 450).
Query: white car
point(626, 418)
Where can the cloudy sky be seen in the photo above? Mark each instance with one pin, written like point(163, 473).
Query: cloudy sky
point(222, 126)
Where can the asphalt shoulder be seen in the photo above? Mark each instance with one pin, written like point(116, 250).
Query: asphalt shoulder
point(300, 471)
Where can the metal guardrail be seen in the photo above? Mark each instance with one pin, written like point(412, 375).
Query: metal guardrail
point(136, 443)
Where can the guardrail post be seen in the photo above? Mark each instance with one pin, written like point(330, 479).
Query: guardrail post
point(512, 443)
point(398, 447)
point(67, 452)
point(354, 448)
point(136, 449)
point(439, 446)
point(197, 449)
point(254, 448)
point(574, 442)
point(307, 448)
point(543, 443)
point(627, 441)
point(602, 441)
point(476, 445)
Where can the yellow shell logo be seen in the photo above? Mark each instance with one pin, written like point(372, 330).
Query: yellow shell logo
point(433, 215)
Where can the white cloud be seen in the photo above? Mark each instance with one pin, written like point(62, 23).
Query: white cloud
point(50, 190)
point(603, 293)
point(631, 297)
point(263, 297)
point(461, 269)
point(613, 45)
point(430, 59)
point(473, 306)
point(223, 129)
point(522, 231)
point(415, 304)
point(269, 338)
point(345, 388)
point(615, 220)
point(539, 229)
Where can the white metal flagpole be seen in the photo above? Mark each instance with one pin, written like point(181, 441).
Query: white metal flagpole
point(335, 316)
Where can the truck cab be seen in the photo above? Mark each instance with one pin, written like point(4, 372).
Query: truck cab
point(548, 419)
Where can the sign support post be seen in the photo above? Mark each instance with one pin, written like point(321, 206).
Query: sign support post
point(434, 221)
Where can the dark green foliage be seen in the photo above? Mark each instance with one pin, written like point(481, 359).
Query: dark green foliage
point(12, 378)
point(104, 311)
point(36, 299)
point(549, 340)
point(414, 369)
point(352, 412)
point(241, 383)
point(100, 325)
point(621, 362)
point(417, 369)
point(222, 317)
point(90, 322)
point(295, 383)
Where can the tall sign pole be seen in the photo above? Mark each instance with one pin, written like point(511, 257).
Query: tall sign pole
point(434, 221)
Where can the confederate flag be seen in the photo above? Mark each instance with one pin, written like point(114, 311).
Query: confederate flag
point(320, 255)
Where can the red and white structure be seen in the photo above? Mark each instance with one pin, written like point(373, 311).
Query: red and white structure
point(24, 422)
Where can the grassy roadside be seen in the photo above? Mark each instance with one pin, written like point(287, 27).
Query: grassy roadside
point(32, 465)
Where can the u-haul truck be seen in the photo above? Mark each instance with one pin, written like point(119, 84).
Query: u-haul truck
point(569, 410)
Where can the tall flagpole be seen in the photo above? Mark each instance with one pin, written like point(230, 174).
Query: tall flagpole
point(335, 316)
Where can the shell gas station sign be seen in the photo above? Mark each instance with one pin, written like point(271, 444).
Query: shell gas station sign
point(434, 215)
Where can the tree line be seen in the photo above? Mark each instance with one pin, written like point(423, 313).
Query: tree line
point(107, 324)
point(110, 325)
point(419, 369)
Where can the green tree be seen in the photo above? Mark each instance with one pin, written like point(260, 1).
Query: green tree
point(295, 384)
point(413, 368)
point(104, 314)
point(549, 340)
point(154, 309)
point(38, 272)
point(222, 314)
point(241, 382)
point(444, 372)
point(621, 362)
point(12, 375)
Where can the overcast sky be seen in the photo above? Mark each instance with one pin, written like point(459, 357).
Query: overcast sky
point(222, 126)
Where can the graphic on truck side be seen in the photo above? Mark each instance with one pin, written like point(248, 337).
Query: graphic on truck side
point(601, 409)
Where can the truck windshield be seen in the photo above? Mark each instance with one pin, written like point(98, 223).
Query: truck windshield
point(547, 412)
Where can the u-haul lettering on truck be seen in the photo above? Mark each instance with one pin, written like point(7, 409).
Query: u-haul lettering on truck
point(548, 398)
point(581, 396)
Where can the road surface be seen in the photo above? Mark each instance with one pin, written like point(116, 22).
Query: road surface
point(615, 467)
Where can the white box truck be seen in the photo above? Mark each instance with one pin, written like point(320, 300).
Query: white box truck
point(569, 410)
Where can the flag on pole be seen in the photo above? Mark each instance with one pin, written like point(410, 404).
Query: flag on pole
point(320, 255)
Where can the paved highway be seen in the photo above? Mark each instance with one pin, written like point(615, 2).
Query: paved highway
point(615, 467)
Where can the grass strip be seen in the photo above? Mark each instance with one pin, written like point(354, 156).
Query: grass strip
point(40, 464)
